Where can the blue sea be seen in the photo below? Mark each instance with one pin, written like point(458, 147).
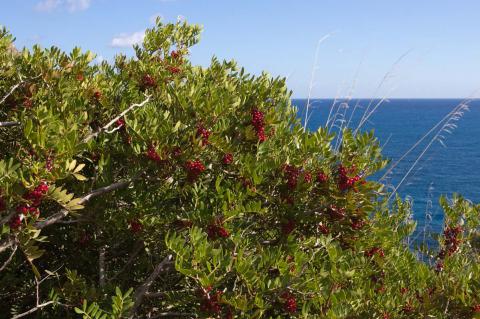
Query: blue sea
point(453, 166)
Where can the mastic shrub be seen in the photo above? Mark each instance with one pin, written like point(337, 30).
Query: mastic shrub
point(151, 187)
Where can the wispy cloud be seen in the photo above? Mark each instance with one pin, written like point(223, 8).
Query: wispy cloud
point(70, 5)
point(124, 40)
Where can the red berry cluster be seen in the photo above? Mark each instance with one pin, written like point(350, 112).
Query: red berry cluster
point(27, 103)
point(121, 125)
point(451, 241)
point(288, 227)
point(204, 134)
point(216, 230)
point(307, 177)
point(97, 95)
point(152, 154)
point(344, 181)
point(258, 123)
point(120, 122)
point(291, 173)
point(173, 69)
point(211, 302)
point(322, 177)
point(35, 199)
point(289, 302)
point(175, 54)
point(135, 226)
point(476, 308)
point(357, 224)
point(49, 164)
point(148, 81)
point(227, 159)
point(375, 251)
point(323, 229)
point(194, 169)
point(408, 308)
point(439, 266)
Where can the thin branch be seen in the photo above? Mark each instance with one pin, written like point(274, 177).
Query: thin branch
point(9, 124)
point(58, 216)
point(63, 213)
point(101, 267)
point(5, 264)
point(138, 249)
point(115, 119)
point(142, 290)
point(33, 310)
point(11, 91)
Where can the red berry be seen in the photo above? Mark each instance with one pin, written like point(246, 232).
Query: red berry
point(120, 122)
point(152, 154)
point(204, 134)
point(173, 69)
point(323, 229)
point(80, 77)
point(222, 232)
point(322, 178)
point(211, 302)
point(27, 103)
point(215, 231)
point(174, 54)
point(97, 95)
point(476, 308)
point(49, 164)
point(15, 222)
point(135, 226)
point(148, 81)
point(289, 303)
point(227, 159)
point(291, 173)
point(258, 124)
point(194, 169)
point(307, 177)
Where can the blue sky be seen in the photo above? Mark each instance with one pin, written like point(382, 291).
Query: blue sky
point(367, 37)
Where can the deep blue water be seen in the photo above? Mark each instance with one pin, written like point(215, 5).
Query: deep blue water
point(400, 123)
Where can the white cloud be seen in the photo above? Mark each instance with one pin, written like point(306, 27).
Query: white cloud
point(47, 5)
point(124, 40)
point(77, 5)
point(70, 5)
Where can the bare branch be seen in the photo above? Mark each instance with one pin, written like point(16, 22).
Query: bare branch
point(9, 258)
point(62, 213)
point(137, 250)
point(142, 290)
point(9, 124)
point(101, 267)
point(33, 310)
point(11, 91)
point(115, 119)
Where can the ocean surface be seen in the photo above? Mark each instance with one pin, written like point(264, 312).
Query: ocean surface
point(451, 167)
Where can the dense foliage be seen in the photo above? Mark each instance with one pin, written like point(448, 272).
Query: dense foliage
point(151, 187)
